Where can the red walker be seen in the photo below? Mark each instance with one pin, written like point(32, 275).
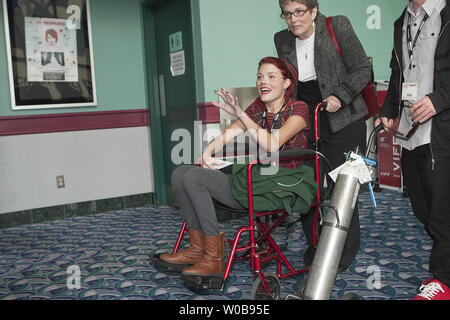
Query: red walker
point(264, 287)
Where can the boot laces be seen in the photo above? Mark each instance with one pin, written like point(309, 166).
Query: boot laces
point(430, 290)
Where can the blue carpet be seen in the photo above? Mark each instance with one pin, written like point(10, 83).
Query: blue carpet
point(112, 253)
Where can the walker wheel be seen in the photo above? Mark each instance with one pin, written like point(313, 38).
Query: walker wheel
point(350, 296)
point(274, 289)
point(302, 287)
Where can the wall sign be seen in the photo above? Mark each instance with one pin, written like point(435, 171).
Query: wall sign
point(176, 42)
point(49, 51)
point(177, 63)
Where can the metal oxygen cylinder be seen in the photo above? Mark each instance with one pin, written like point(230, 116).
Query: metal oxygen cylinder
point(355, 171)
point(323, 271)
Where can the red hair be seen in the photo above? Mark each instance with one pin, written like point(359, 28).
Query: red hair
point(51, 32)
point(287, 70)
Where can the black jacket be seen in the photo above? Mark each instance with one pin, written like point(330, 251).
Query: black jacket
point(440, 132)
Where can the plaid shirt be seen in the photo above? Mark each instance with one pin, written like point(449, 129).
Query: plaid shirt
point(256, 111)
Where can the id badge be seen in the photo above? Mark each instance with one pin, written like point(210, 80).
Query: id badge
point(409, 91)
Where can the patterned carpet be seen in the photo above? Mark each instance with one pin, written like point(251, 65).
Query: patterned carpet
point(111, 251)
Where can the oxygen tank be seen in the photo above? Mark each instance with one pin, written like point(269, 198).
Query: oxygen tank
point(357, 170)
point(324, 268)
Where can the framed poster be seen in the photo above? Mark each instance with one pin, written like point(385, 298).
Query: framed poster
point(49, 52)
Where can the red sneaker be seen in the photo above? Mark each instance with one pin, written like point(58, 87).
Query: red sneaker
point(433, 289)
point(426, 282)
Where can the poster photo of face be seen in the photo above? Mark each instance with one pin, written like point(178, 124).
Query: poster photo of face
point(51, 50)
point(49, 53)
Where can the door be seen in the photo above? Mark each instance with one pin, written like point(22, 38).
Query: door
point(170, 60)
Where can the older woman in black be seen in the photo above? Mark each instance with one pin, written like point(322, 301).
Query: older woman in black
point(325, 76)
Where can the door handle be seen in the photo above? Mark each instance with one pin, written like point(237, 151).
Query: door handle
point(162, 95)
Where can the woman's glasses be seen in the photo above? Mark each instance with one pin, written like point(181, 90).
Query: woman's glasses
point(297, 13)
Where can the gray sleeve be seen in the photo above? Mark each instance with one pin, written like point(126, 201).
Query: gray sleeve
point(357, 63)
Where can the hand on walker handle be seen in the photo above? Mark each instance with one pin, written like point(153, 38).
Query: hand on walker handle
point(387, 123)
point(332, 104)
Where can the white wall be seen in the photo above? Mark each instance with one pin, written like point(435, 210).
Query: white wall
point(97, 164)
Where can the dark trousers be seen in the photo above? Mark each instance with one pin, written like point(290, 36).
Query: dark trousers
point(333, 147)
point(429, 192)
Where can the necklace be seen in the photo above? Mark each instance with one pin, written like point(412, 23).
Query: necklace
point(275, 119)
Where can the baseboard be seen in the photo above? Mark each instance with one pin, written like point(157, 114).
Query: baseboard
point(39, 215)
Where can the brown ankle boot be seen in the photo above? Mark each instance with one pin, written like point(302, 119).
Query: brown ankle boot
point(192, 254)
point(212, 262)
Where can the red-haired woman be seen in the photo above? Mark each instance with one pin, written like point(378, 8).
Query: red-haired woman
point(276, 122)
point(51, 36)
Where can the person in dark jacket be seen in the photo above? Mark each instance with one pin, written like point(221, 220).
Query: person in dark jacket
point(325, 76)
point(419, 95)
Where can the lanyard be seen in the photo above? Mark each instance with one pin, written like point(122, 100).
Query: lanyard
point(411, 44)
point(275, 119)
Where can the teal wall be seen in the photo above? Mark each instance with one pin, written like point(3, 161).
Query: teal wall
point(236, 34)
point(233, 36)
point(118, 57)
point(5, 105)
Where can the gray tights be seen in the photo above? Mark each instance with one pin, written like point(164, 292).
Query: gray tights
point(194, 188)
